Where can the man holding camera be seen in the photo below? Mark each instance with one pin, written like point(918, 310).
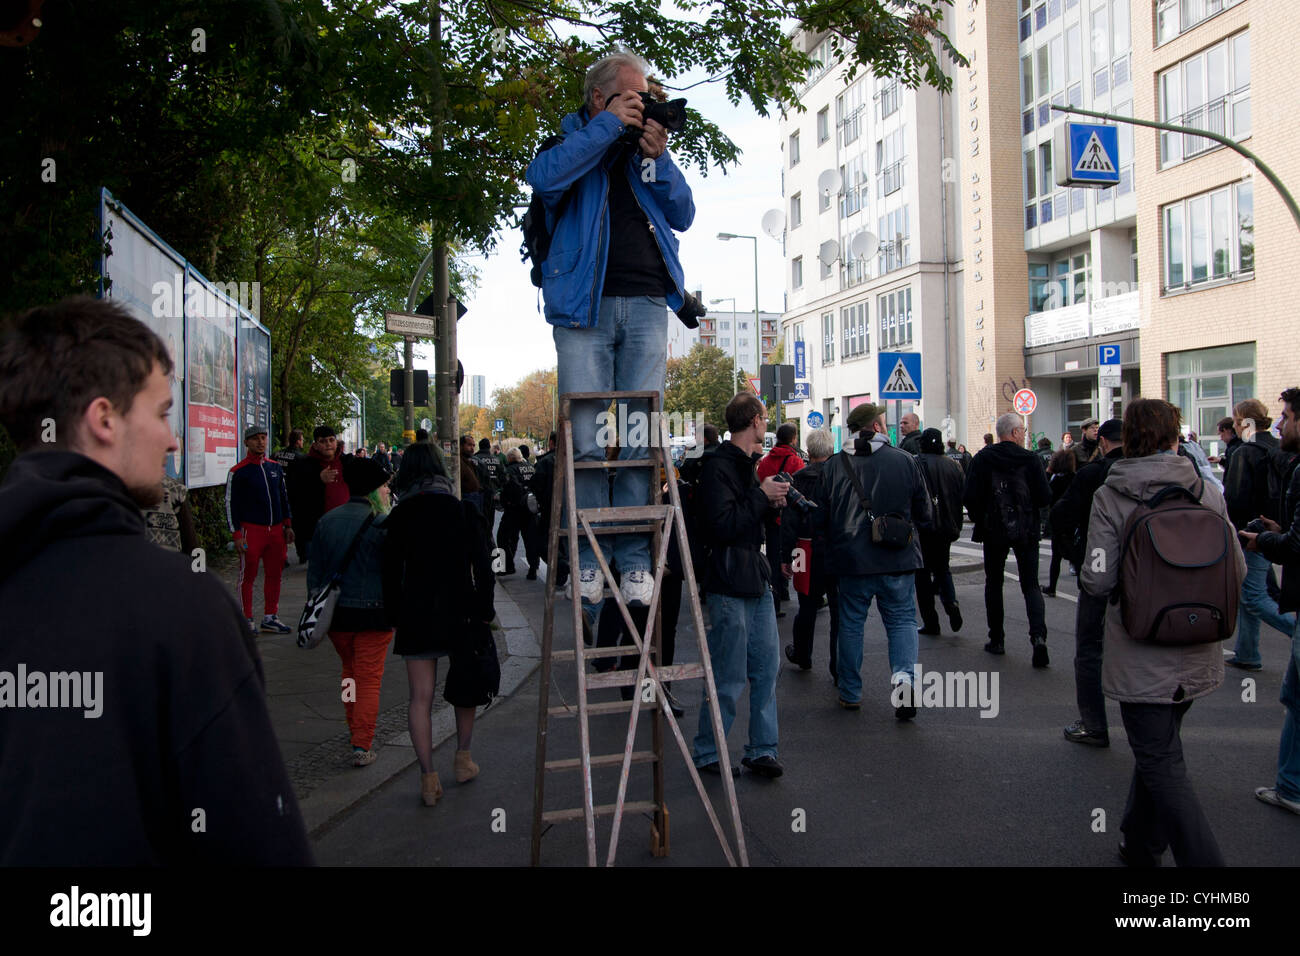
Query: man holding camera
point(613, 197)
point(874, 502)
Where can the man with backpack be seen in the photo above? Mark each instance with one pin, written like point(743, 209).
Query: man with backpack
point(944, 483)
point(1160, 546)
point(1252, 487)
point(613, 197)
point(1005, 488)
point(1074, 511)
point(1280, 541)
point(875, 502)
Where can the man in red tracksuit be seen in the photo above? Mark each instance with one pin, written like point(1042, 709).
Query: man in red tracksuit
point(783, 457)
point(257, 510)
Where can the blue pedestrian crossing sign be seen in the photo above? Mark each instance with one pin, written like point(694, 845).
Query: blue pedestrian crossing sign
point(1087, 154)
point(899, 374)
point(815, 419)
point(802, 391)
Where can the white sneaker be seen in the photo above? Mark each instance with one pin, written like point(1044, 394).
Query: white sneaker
point(590, 586)
point(637, 587)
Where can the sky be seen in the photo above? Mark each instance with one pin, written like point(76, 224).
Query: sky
point(504, 336)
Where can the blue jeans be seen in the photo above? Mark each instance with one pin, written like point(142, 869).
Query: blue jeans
point(1288, 754)
point(625, 352)
point(1257, 606)
point(742, 647)
point(895, 595)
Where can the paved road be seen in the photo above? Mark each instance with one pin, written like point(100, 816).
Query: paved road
point(950, 788)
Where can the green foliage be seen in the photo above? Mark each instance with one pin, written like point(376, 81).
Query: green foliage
point(701, 381)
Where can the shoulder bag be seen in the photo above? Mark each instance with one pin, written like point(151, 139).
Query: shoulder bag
point(891, 531)
point(314, 624)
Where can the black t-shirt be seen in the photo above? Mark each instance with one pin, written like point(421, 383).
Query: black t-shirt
point(635, 266)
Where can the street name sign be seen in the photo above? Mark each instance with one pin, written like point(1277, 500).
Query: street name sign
point(404, 323)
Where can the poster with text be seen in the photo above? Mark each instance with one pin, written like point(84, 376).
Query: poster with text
point(142, 273)
point(213, 441)
point(254, 376)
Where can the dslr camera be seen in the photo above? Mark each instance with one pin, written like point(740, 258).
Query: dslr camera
point(794, 498)
point(1255, 526)
point(670, 114)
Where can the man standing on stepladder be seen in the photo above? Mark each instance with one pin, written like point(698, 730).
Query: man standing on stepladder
point(610, 277)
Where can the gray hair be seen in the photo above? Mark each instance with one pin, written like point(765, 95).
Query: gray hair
point(821, 443)
point(604, 73)
point(1007, 423)
point(514, 454)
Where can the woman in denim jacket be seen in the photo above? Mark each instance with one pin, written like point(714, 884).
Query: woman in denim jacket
point(359, 630)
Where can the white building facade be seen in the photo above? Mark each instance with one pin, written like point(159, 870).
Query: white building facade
point(891, 159)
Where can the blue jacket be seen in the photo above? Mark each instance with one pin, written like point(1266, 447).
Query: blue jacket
point(574, 271)
point(362, 585)
point(256, 493)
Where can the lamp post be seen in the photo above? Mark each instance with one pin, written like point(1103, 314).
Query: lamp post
point(758, 340)
point(735, 345)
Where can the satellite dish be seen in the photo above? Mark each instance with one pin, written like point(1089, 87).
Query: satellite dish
point(774, 223)
point(829, 252)
point(829, 182)
point(864, 245)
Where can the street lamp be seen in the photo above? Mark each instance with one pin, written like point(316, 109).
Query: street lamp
point(735, 345)
point(758, 340)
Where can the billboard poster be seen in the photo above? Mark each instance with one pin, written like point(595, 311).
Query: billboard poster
point(147, 277)
point(254, 375)
point(213, 443)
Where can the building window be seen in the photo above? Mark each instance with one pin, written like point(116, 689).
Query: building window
point(1175, 17)
point(1040, 288)
point(855, 186)
point(823, 125)
point(1209, 237)
point(1206, 383)
point(724, 325)
point(796, 272)
point(893, 232)
point(794, 150)
point(894, 310)
point(1210, 91)
point(796, 210)
point(890, 158)
point(853, 323)
point(887, 96)
point(848, 112)
point(828, 338)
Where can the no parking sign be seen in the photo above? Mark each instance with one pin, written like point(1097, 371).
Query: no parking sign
point(1025, 401)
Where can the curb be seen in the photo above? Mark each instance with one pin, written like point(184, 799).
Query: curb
point(339, 794)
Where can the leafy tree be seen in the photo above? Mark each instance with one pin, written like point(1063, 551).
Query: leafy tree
point(701, 381)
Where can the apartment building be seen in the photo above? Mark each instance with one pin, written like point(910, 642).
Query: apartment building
point(873, 252)
point(733, 332)
point(1162, 265)
point(474, 391)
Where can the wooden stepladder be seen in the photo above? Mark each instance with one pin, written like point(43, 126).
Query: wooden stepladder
point(658, 520)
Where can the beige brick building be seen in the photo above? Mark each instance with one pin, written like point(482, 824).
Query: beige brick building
point(1161, 266)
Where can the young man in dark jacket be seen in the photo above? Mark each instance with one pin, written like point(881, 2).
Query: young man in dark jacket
point(891, 481)
point(316, 485)
point(1075, 511)
point(258, 518)
point(1281, 543)
point(1247, 491)
point(1005, 490)
point(945, 483)
point(742, 633)
point(147, 741)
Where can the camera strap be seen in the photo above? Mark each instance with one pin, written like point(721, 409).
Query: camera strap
point(857, 484)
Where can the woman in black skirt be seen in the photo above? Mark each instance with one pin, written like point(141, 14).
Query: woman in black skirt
point(438, 587)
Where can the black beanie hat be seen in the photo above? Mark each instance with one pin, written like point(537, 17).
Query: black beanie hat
point(363, 475)
point(932, 441)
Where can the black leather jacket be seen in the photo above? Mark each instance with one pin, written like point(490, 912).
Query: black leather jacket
point(945, 481)
point(731, 508)
point(1284, 547)
point(891, 479)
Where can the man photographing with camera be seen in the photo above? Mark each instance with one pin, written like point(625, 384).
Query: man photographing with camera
point(613, 197)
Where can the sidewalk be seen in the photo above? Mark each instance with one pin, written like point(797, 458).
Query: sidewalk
point(303, 690)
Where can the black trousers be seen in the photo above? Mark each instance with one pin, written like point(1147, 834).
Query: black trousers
point(613, 630)
point(1060, 550)
point(934, 578)
point(1162, 808)
point(514, 523)
point(805, 622)
point(780, 591)
point(995, 560)
point(1089, 626)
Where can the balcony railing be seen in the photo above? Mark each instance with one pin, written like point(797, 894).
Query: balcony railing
point(1115, 313)
point(1229, 115)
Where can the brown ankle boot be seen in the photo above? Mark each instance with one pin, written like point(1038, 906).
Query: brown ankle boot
point(430, 788)
point(466, 769)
